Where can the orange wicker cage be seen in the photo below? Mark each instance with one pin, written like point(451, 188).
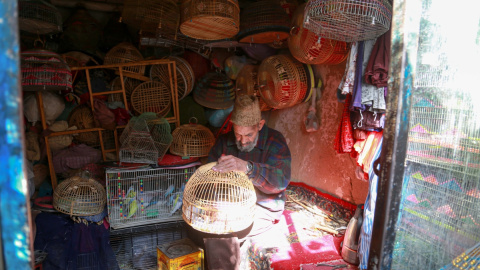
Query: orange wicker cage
point(192, 140)
point(210, 19)
point(82, 117)
point(215, 90)
point(123, 53)
point(185, 75)
point(246, 84)
point(219, 203)
point(309, 48)
point(78, 196)
point(151, 96)
point(39, 17)
point(284, 82)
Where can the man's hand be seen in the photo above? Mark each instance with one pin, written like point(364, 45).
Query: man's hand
point(230, 163)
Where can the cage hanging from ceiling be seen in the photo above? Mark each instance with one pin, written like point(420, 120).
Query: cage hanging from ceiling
point(210, 19)
point(125, 52)
point(246, 84)
point(152, 96)
point(192, 140)
point(219, 203)
point(215, 90)
point(348, 20)
point(185, 75)
point(39, 17)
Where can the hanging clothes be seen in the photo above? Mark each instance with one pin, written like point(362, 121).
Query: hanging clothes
point(376, 72)
point(357, 85)
point(346, 84)
point(344, 139)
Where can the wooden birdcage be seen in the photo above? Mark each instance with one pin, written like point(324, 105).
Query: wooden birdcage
point(192, 140)
point(125, 52)
point(151, 96)
point(348, 20)
point(82, 117)
point(185, 75)
point(210, 19)
point(44, 70)
point(247, 84)
point(215, 90)
point(219, 203)
point(39, 17)
point(79, 196)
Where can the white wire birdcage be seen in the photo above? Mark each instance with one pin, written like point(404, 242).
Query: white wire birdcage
point(145, 196)
point(39, 17)
point(348, 20)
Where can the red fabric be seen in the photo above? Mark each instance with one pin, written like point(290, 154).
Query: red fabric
point(344, 138)
point(121, 116)
point(103, 115)
point(226, 127)
point(376, 72)
point(171, 160)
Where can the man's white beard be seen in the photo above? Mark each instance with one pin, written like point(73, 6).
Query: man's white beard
point(249, 147)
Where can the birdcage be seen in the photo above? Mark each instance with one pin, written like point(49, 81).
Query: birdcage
point(348, 20)
point(125, 52)
point(151, 96)
point(161, 134)
point(39, 17)
point(309, 48)
point(219, 203)
point(44, 70)
point(283, 81)
point(129, 85)
point(246, 84)
point(185, 75)
point(210, 19)
point(192, 140)
point(136, 142)
point(79, 196)
point(215, 90)
point(82, 117)
point(264, 22)
point(145, 195)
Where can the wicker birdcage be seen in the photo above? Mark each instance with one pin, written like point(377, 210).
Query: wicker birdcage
point(348, 20)
point(263, 22)
point(210, 19)
point(185, 75)
point(215, 91)
point(79, 196)
point(125, 52)
point(82, 117)
point(192, 140)
point(78, 59)
point(283, 81)
point(247, 84)
point(152, 96)
point(44, 70)
point(39, 17)
point(129, 84)
point(161, 134)
point(219, 203)
point(309, 48)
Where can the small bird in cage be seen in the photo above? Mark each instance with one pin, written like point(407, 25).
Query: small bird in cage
point(132, 208)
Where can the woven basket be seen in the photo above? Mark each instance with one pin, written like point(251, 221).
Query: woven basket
point(44, 70)
point(82, 117)
point(348, 20)
point(152, 96)
point(192, 140)
point(129, 85)
point(210, 19)
point(264, 22)
point(215, 91)
point(77, 196)
point(283, 81)
point(39, 17)
point(219, 203)
point(247, 84)
point(185, 75)
point(125, 52)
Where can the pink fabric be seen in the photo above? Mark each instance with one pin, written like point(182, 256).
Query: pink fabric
point(376, 72)
point(103, 115)
point(75, 157)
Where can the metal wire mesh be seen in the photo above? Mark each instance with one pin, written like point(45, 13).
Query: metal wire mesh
point(185, 75)
point(215, 90)
point(151, 96)
point(217, 202)
point(348, 20)
point(160, 132)
point(125, 52)
point(210, 20)
point(192, 140)
point(39, 17)
point(145, 196)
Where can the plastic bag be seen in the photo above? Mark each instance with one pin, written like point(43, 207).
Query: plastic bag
point(53, 106)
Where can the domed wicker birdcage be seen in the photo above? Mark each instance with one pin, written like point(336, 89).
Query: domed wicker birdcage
point(151, 96)
point(185, 75)
point(247, 84)
point(210, 19)
point(39, 17)
point(219, 203)
point(215, 90)
point(125, 52)
point(192, 140)
point(82, 117)
point(348, 20)
point(79, 196)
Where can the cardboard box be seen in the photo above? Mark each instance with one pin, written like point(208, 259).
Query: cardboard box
point(182, 254)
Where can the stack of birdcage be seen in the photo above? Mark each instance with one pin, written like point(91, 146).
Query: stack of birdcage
point(145, 139)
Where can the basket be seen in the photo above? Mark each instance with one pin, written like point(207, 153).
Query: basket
point(192, 140)
point(264, 22)
point(39, 17)
point(210, 19)
point(78, 59)
point(215, 91)
point(161, 18)
point(348, 20)
point(78, 196)
point(82, 117)
point(246, 84)
point(309, 48)
point(284, 82)
point(219, 203)
point(185, 75)
point(125, 52)
point(44, 70)
point(129, 84)
point(151, 96)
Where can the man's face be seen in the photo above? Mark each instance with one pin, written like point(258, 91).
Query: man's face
point(246, 137)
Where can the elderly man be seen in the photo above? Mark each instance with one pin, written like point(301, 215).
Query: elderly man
point(263, 154)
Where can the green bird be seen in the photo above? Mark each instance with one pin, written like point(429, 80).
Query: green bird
point(132, 208)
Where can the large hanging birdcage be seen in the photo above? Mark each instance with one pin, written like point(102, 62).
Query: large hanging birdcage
point(39, 17)
point(247, 84)
point(219, 203)
point(44, 70)
point(125, 52)
point(151, 96)
point(192, 140)
point(185, 75)
point(210, 19)
point(215, 91)
point(348, 20)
